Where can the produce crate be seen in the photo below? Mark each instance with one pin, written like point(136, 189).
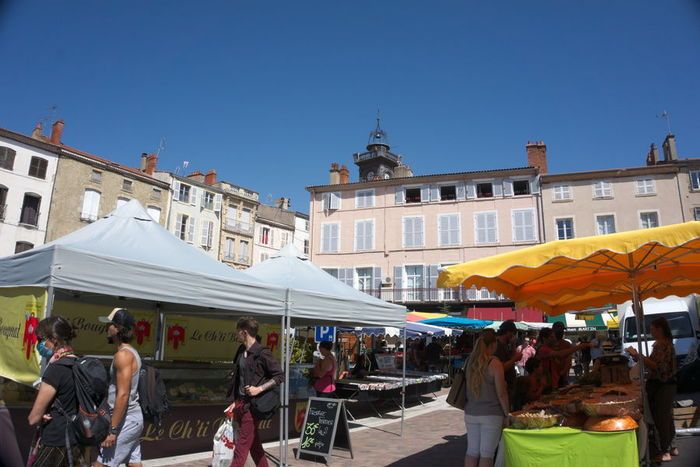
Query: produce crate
point(686, 417)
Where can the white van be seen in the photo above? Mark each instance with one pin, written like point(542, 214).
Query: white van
point(682, 317)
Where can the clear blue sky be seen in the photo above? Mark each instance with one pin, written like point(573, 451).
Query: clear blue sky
point(271, 92)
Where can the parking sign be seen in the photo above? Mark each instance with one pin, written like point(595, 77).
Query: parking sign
point(325, 334)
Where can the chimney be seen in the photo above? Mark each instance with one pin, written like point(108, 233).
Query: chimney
point(335, 174)
point(537, 155)
point(344, 175)
point(283, 203)
point(144, 162)
point(57, 132)
point(151, 162)
point(653, 155)
point(210, 177)
point(669, 146)
point(197, 175)
point(36, 133)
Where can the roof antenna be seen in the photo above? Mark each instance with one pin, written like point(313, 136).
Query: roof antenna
point(161, 145)
point(666, 116)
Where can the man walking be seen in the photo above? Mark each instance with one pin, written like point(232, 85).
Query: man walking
point(255, 372)
point(122, 445)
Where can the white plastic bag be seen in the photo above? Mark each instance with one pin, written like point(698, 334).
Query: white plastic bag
point(224, 443)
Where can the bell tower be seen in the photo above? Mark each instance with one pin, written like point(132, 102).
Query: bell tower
point(378, 162)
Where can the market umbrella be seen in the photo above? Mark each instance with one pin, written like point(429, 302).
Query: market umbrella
point(519, 325)
point(457, 322)
point(420, 316)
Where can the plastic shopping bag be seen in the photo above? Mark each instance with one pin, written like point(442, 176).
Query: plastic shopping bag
point(224, 443)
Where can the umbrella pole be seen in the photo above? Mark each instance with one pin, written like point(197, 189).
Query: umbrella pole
point(403, 381)
point(639, 318)
point(284, 389)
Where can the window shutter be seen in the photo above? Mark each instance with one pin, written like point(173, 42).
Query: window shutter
point(193, 195)
point(335, 200)
point(335, 237)
point(359, 236)
point(398, 283)
point(205, 233)
point(424, 194)
point(203, 198)
point(178, 225)
point(191, 229)
point(418, 231)
point(471, 190)
point(444, 230)
point(399, 195)
point(497, 188)
point(461, 192)
point(432, 277)
point(407, 231)
point(434, 193)
point(326, 201)
point(217, 202)
point(272, 237)
point(535, 185)
point(507, 187)
point(377, 281)
point(359, 200)
point(176, 190)
point(325, 238)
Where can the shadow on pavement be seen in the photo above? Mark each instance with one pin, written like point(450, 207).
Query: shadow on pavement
point(451, 452)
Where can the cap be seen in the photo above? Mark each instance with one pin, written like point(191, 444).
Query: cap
point(120, 317)
point(507, 326)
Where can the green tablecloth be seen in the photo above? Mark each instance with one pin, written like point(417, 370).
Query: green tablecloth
point(568, 447)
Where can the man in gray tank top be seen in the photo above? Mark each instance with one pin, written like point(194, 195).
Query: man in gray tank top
point(122, 446)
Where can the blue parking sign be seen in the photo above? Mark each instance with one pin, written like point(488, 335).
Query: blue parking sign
point(325, 333)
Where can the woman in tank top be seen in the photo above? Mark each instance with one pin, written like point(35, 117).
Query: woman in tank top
point(487, 402)
point(324, 371)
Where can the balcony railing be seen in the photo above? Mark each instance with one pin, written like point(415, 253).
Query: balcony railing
point(414, 295)
point(236, 259)
point(239, 227)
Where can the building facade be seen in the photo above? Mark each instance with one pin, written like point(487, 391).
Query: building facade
point(274, 229)
point(27, 175)
point(195, 210)
point(301, 233)
point(240, 207)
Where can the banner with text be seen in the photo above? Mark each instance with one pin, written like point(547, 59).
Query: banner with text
point(21, 309)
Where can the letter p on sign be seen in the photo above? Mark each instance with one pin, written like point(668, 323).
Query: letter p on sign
point(325, 333)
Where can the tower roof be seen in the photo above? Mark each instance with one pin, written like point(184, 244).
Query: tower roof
point(378, 137)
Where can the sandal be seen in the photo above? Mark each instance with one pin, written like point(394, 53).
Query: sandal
point(674, 452)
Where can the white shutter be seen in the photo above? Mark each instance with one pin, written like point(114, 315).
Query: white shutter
point(325, 238)
point(178, 226)
point(497, 189)
point(424, 194)
point(335, 237)
point(154, 212)
point(359, 238)
point(507, 187)
point(176, 190)
point(193, 195)
point(535, 185)
point(203, 198)
point(326, 201)
point(454, 229)
point(205, 233)
point(272, 237)
point(434, 193)
point(444, 228)
point(191, 226)
point(461, 192)
point(359, 199)
point(335, 200)
point(471, 190)
point(217, 202)
point(369, 234)
point(399, 195)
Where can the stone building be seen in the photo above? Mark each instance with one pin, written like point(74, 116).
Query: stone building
point(240, 208)
point(274, 229)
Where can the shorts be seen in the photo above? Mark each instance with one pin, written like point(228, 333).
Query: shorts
point(483, 434)
point(127, 449)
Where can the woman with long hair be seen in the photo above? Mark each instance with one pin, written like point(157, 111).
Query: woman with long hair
point(324, 371)
point(661, 386)
point(487, 402)
point(56, 398)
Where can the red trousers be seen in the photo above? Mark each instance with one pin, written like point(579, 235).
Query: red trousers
point(248, 439)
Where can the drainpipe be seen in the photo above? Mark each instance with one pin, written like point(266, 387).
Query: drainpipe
point(540, 208)
point(680, 195)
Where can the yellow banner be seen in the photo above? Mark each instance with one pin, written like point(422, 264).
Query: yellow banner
point(92, 336)
point(207, 339)
point(21, 309)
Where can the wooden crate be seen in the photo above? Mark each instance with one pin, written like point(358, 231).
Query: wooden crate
point(686, 417)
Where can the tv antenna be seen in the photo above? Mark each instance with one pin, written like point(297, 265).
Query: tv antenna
point(666, 116)
point(161, 146)
point(50, 116)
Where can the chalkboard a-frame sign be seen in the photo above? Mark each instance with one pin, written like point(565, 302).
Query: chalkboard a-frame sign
point(325, 427)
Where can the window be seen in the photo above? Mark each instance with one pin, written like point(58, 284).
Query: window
point(486, 228)
point(266, 236)
point(3, 202)
point(364, 199)
point(561, 193)
point(207, 234)
point(156, 194)
point(23, 246)
point(127, 185)
point(96, 176)
point(448, 193)
point(184, 193)
point(448, 230)
point(264, 257)
point(331, 201)
point(414, 282)
point(565, 228)
point(285, 239)
point(91, 205)
point(648, 220)
point(696, 214)
point(484, 190)
point(121, 202)
point(521, 187)
point(412, 232)
point(694, 176)
point(364, 235)
point(332, 271)
point(306, 247)
point(243, 251)
point(306, 225)
point(229, 249)
point(605, 224)
point(364, 279)
point(154, 212)
point(645, 186)
point(37, 167)
point(7, 158)
point(524, 225)
point(330, 238)
point(208, 200)
point(245, 219)
point(30, 210)
point(412, 195)
point(471, 293)
point(184, 227)
point(602, 189)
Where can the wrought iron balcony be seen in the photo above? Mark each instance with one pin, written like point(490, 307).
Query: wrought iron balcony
point(239, 227)
point(432, 294)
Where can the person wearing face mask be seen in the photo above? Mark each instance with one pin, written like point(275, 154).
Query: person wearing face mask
point(56, 398)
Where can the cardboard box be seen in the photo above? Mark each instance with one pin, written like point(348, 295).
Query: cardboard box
point(686, 417)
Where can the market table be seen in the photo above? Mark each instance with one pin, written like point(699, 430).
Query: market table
point(568, 447)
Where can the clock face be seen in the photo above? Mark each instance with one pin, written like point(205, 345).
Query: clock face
point(387, 176)
point(370, 175)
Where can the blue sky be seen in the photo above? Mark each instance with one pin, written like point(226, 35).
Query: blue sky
point(270, 93)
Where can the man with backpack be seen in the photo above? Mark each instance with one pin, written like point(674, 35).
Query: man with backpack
point(122, 445)
point(254, 392)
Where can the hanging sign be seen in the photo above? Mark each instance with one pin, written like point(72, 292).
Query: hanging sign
point(325, 427)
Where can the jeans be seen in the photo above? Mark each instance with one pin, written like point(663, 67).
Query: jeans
point(483, 434)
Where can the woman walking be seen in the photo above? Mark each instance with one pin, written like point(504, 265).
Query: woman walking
point(487, 402)
point(324, 371)
point(57, 444)
point(661, 386)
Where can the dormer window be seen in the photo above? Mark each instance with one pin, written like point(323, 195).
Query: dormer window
point(521, 187)
point(484, 190)
point(448, 193)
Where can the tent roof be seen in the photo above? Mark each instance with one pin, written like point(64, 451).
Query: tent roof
point(128, 254)
point(317, 296)
point(458, 322)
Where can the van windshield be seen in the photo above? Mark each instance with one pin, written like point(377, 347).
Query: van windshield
point(679, 323)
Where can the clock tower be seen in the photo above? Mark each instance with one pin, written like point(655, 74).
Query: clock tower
point(378, 162)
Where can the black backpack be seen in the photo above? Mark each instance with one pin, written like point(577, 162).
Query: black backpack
point(153, 396)
point(92, 420)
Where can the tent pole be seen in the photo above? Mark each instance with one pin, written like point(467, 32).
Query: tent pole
point(403, 381)
point(160, 332)
point(639, 318)
point(50, 295)
point(287, 356)
point(283, 355)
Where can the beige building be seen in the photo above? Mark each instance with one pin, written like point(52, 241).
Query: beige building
point(274, 229)
point(240, 209)
point(88, 187)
